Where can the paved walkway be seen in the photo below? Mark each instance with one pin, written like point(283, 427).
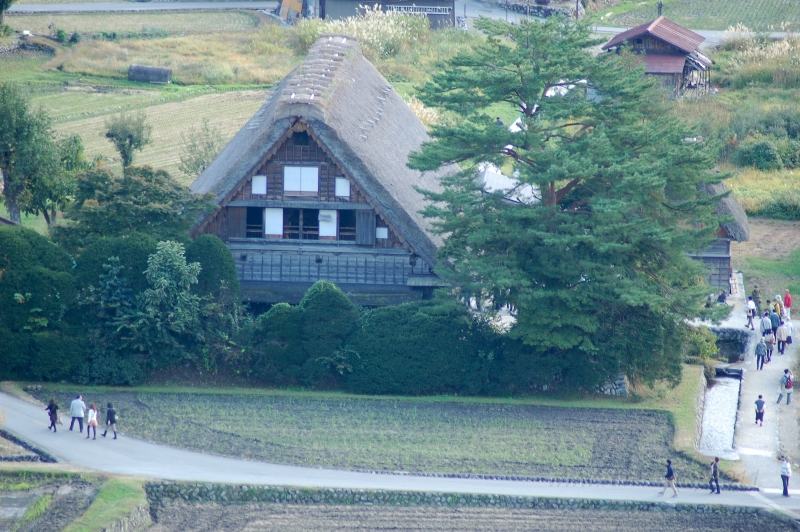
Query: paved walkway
point(130, 456)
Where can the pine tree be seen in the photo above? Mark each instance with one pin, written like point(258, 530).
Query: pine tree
point(597, 262)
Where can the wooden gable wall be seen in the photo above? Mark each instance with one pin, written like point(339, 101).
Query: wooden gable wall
point(229, 222)
point(648, 42)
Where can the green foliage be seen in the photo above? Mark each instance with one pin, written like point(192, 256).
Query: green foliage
point(758, 152)
point(217, 265)
point(142, 201)
point(132, 252)
point(619, 204)
point(278, 351)
point(5, 29)
point(37, 292)
point(4, 5)
point(75, 38)
point(702, 343)
point(35, 511)
point(61, 36)
point(327, 317)
point(115, 500)
point(29, 161)
point(418, 348)
point(200, 146)
point(128, 133)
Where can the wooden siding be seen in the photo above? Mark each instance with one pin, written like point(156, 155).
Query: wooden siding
point(652, 43)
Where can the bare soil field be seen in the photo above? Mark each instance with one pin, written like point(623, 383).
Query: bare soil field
point(399, 435)
point(300, 518)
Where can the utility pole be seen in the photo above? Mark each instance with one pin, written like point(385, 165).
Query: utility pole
point(577, 3)
point(659, 4)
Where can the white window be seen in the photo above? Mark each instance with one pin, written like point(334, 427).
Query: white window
point(302, 179)
point(259, 184)
point(327, 223)
point(273, 222)
point(382, 233)
point(342, 187)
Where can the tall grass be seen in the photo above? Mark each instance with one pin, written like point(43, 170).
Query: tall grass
point(753, 60)
point(773, 194)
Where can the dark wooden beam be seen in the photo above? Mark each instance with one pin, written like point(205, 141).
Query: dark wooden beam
point(305, 204)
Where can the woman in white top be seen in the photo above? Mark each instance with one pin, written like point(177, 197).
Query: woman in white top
point(92, 421)
point(786, 474)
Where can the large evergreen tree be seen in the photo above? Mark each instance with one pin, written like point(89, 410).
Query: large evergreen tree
point(597, 262)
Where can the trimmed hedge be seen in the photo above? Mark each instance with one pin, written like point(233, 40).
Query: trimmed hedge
point(217, 265)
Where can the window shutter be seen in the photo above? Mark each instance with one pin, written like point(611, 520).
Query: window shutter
point(309, 179)
point(327, 223)
point(237, 222)
point(273, 222)
point(291, 178)
point(365, 228)
point(259, 184)
point(342, 187)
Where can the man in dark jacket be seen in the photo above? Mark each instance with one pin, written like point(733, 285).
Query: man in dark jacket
point(669, 480)
point(761, 353)
point(714, 475)
point(775, 320)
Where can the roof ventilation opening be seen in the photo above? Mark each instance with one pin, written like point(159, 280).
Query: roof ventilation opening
point(300, 138)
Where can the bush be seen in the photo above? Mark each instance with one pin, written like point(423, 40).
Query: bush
point(61, 36)
point(133, 252)
point(760, 153)
point(217, 265)
point(419, 348)
point(327, 317)
point(278, 351)
point(75, 38)
point(107, 369)
point(6, 30)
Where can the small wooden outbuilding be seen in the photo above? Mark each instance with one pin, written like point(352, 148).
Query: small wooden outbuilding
point(670, 52)
point(149, 74)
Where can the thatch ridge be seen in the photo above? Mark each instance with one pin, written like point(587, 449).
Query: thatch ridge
point(737, 229)
point(363, 122)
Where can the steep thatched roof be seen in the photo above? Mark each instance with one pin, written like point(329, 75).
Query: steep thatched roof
point(149, 74)
point(737, 229)
point(366, 126)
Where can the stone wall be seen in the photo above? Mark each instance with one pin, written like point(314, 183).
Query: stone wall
point(163, 493)
point(42, 455)
point(617, 387)
point(735, 343)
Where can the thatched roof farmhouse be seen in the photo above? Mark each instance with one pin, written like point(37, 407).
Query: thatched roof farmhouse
point(315, 186)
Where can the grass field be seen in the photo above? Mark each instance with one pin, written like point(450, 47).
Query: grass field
point(227, 111)
point(137, 23)
point(554, 438)
point(760, 15)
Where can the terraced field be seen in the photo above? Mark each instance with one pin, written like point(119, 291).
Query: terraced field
point(711, 14)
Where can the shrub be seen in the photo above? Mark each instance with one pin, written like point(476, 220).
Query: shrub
point(758, 152)
point(133, 252)
point(419, 348)
point(75, 38)
point(327, 317)
point(217, 265)
point(61, 36)
point(278, 351)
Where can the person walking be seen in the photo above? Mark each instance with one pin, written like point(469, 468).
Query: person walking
point(91, 421)
point(111, 421)
point(52, 410)
point(766, 324)
point(761, 353)
point(714, 471)
point(760, 411)
point(76, 410)
point(751, 313)
point(787, 305)
point(789, 331)
point(775, 319)
point(786, 474)
point(669, 480)
point(778, 306)
point(781, 336)
point(770, 341)
point(786, 386)
point(757, 298)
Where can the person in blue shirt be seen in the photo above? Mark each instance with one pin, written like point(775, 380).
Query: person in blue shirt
point(669, 480)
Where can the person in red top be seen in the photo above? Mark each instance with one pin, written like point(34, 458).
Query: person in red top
point(787, 305)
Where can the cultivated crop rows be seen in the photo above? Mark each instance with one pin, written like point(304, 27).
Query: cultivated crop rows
point(720, 14)
point(293, 518)
point(393, 435)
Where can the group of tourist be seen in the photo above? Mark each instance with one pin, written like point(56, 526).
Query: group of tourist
point(775, 325)
point(713, 473)
point(78, 411)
